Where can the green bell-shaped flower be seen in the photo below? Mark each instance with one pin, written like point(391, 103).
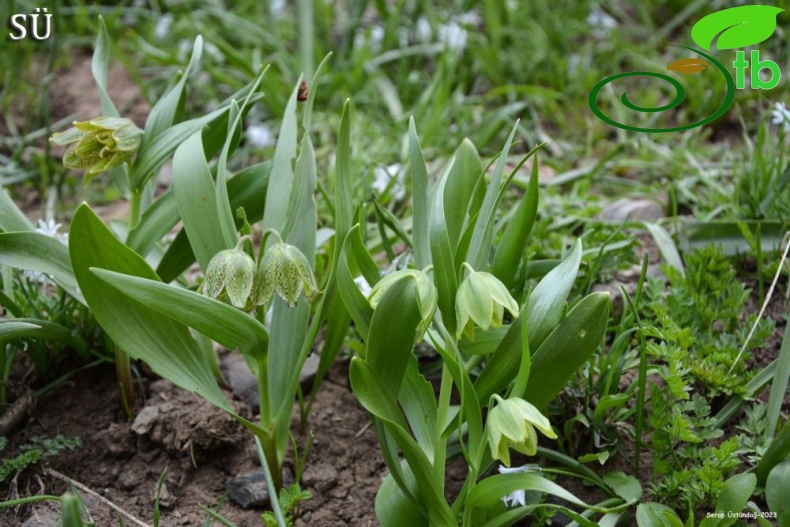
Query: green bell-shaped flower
point(427, 296)
point(99, 145)
point(482, 299)
point(231, 274)
point(284, 270)
point(511, 424)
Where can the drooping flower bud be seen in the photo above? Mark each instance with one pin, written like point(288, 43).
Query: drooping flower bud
point(427, 296)
point(511, 424)
point(231, 274)
point(99, 145)
point(482, 299)
point(284, 270)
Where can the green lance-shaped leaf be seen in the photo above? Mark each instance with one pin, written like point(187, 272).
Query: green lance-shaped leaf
point(34, 251)
point(491, 490)
point(732, 499)
point(571, 343)
point(656, 515)
point(777, 451)
point(777, 488)
point(738, 27)
point(514, 240)
point(442, 252)
point(543, 312)
point(393, 507)
point(197, 201)
point(100, 67)
point(39, 329)
point(421, 205)
point(220, 322)
point(11, 218)
point(141, 331)
point(461, 182)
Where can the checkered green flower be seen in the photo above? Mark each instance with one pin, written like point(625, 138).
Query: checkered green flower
point(284, 270)
point(231, 274)
point(99, 145)
point(481, 300)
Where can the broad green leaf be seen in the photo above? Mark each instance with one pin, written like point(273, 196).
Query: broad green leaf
point(512, 515)
point(11, 218)
point(247, 189)
point(737, 27)
point(777, 488)
point(511, 247)
point(481, 242)
point(420, 205)
point(569, 346)
point(100, 66)
point(154, 224)
point(656, 515)
point(733, 497)
point(442, 254)
point(419, 405)
point(281, 178)
point(491, 490)
point(777, 451)
point(356, 303)
point(15, 329)
point(218, 321)
point(542, 311)
point(344, 182)
point(164, 112)
point(463, 177)
point(41, 330)
point(197, 201)
point(391, 335)
point(625, 486)
point(547, 301)
point(367, 387)
point(140, 331)
point(34, 251)
point(778, 387)
point(393, 508)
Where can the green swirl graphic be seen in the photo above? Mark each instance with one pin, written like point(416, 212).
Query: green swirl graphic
point(679, 97)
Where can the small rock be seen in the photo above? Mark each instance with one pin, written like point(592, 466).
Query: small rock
point(322, 477)
point(634, 210)
point(129, 479)
point(145, 419)
point(166, 498)
point(42, 517)
point(248, 490)
point(241, 380)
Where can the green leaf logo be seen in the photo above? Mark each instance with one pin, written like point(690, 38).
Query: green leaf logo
point(737, 27)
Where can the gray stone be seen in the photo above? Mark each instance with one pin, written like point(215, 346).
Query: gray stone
point(322, 477)
point(145, 419)
point(42, 517)
point(249, 490)
point(633, 209)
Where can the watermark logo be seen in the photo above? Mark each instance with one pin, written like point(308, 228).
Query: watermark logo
point(736, 27)
point(37, 25)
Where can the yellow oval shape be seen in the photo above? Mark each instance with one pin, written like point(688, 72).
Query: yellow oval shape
point(687, 66)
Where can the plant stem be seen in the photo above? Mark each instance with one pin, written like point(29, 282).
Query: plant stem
point(124, 372)
point(445, 391)
point(29, 499)
point(134, 208)
point(269, 448)
point(271, 482)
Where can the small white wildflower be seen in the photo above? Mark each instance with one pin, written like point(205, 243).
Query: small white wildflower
point(214, 52)
point(184, 48)
point(781, 115)
point(259, 135)
point(363, 285)
point(393, 175)
point(517, 497)
point(453, 35)
point(470, 18)
point(162, 28)
point(277, 9)
point(423, 30)
point(600, 22)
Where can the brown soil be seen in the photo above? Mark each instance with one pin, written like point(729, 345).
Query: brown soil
point(201, 448)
